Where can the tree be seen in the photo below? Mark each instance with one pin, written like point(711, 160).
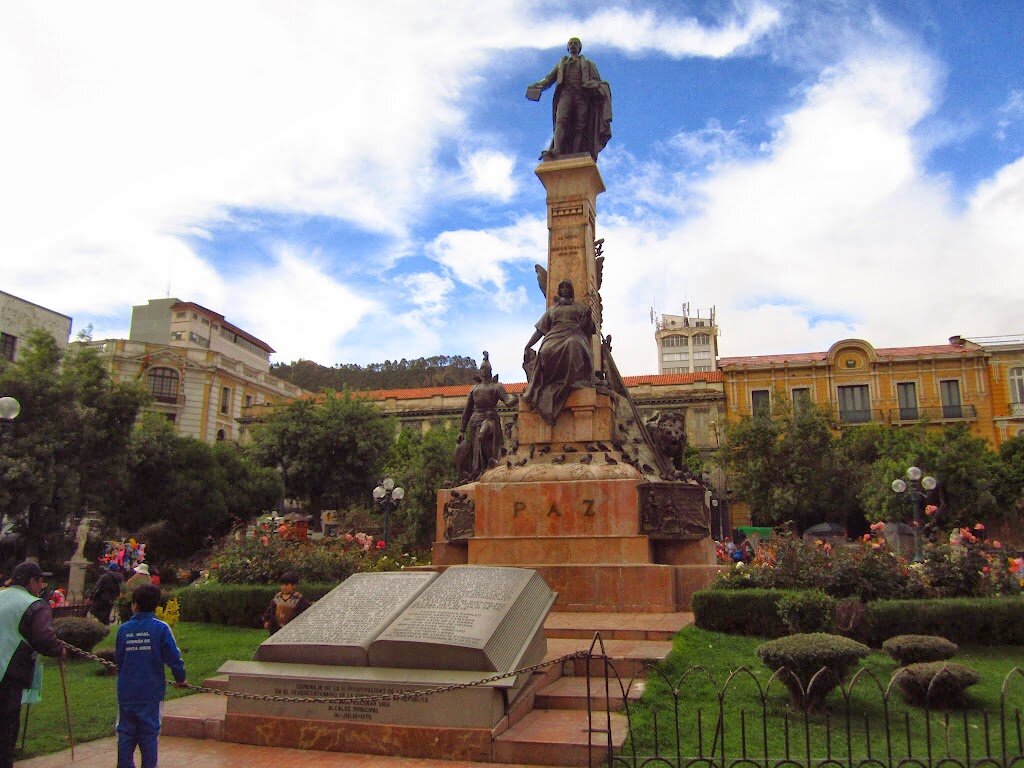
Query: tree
point(968, 472)
point(421, 464)
point(332, 449)
point(1011, 453)
point(783, 465)
point(196, 490)
point(69, 446)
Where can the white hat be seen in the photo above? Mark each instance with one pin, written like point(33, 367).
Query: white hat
point(142, 568)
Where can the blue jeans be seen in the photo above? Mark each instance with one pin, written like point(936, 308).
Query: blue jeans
point(138, 725)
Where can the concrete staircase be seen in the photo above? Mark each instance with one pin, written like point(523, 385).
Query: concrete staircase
point(549, 723)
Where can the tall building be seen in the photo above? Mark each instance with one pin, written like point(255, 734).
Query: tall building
point(686, 343)
point(18, 317)
point(1005, 356)
point(201, 369)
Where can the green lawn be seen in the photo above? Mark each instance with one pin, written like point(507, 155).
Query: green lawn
point(719, 655)
point(93, 698)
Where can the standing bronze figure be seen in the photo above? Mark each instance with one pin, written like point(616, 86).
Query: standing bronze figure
point(564, 361)
point(582, 106)
point(480, 437)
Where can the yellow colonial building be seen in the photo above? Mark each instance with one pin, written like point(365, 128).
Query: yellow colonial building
point(962, 381)
point(201, 370)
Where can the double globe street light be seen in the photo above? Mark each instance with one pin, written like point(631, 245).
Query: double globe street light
point(388, 496)
point(916, 489)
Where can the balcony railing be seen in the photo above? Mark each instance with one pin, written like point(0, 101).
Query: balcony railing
point(860, 415)
point(935, 413)
point(1017, 410)
point(169, 399)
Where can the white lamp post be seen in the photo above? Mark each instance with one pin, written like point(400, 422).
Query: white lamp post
point(916, 490)
point(387, 497)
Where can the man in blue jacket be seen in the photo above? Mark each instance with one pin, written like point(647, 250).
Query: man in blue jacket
point(25, 632)
point(144, 645)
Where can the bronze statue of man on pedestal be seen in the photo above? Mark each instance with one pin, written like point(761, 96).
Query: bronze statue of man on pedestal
point(582, 106)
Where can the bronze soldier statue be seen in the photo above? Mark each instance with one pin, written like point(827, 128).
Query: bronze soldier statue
point(480, 438)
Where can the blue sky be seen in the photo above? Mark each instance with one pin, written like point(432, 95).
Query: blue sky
point(354, 183)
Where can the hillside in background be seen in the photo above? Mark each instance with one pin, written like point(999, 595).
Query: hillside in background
point(437, 371)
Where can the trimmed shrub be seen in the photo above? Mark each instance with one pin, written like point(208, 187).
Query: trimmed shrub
point(916, 649)
point(80, 631)
point(804, 655)
point(809, 610)
point(939, 684)
point(237, 605)
point(980, 621)
point(740, 611)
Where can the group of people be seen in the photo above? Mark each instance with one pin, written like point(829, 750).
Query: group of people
point(729, 551)
point(144, 646)
point(112, 583)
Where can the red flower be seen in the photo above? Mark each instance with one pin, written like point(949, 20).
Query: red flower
point(264, 540)
point(381, 545)
point(979, 527)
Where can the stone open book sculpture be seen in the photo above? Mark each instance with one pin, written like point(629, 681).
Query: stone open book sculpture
point(468, 618)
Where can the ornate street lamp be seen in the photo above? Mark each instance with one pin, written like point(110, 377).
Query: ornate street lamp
point(387, 496)
point(9, 408)
point(917, 489)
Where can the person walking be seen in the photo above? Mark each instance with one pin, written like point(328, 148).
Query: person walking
point(26, 630)
point(144, 646)
point(105, 592)
point(141, 576)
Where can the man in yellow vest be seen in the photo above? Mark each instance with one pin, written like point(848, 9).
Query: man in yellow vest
point(25, 632)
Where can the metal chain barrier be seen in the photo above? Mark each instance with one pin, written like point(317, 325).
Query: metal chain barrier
point(397, 696)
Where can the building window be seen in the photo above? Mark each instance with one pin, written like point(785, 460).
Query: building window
point(801, 399)
point(8, 343)
point(702, 355)
point(674, 341)
point(676, 370)
point(701, 340)
point(1017, 385)
point(221, 435)
point(906, 396)
point(171, 417)
point(198, 340)
point(248, 400)
point(949, 393)
point(702, 368)
point(761, 402)
point(225, 400)
point(700, 324)
point(177, 335)
point(854, 404)
point(163, 384)
point(180, 315)
point(674, 356)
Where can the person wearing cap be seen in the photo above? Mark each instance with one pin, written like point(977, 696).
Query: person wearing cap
point(286, 605)
point(26, 631)
point(142, 576)
point(106, 590)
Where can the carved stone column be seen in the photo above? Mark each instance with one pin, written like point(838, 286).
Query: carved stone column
point(573, 185)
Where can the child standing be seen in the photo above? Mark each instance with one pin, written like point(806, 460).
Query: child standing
point(144, 645)
point(286, 605)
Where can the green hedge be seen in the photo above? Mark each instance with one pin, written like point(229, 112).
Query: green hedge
point(237, 605)
point(123, 604)
point(741, 611)
point(963, 620)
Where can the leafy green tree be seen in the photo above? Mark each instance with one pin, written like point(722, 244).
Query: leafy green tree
point(783, 465)
point(198, 490)
point(968, 472)
point(68, 448)
point(1011, 453)
point(421, 464)
point(327, 450)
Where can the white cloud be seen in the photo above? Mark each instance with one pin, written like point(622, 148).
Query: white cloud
point(479, 258)
point(490, 174)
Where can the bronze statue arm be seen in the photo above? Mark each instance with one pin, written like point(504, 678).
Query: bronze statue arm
point(547, 81)
point(537, 336)
point(467, 412)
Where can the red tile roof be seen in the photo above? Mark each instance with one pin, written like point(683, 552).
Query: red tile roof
point(461, 390)
point(811, 357)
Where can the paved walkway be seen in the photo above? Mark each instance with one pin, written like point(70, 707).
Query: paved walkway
point(177, 752)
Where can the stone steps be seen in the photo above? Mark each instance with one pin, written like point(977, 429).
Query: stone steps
point(200, 716)
point(571, 693)
point(560, 737)
point(616, 626)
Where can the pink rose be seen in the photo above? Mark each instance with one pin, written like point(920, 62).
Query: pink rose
point(381, 545)
point(930, 509)
point(878, 526)
point(979, 527)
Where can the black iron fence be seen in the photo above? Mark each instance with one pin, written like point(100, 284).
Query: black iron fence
point(744, 722)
